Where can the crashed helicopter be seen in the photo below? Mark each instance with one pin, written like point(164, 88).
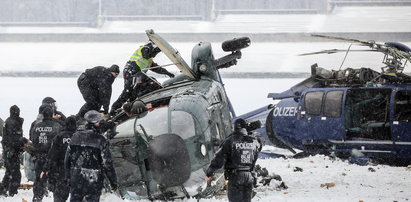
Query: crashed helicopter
point(161, 153)
point(352, 112)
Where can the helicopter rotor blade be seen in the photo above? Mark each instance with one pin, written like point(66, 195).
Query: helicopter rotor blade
point(331, 51)
point(389, 48)
point(370, 44)
point(338, 38)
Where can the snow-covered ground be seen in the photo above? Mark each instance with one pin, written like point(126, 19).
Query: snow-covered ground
point(351, 182)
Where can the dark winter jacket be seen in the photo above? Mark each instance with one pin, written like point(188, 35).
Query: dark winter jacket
point(42, 135)
point(57, 152)
point(88, 159)
point(98, 79)
point(12, 133)
point(40, 118)
point(238, 152)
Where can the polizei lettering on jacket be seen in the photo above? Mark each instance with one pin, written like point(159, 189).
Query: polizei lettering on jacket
point(44, 129)
point(43, 134)
point(66, 140)
point(285, 111)
point(246, 145)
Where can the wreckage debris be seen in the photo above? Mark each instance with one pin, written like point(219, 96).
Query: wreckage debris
point(298, 169)
point(328, 185)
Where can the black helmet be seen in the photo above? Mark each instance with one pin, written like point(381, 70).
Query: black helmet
point(48, 100)
point(70, 123)
point(149, 44)
point(239, 124)
point(115, 69)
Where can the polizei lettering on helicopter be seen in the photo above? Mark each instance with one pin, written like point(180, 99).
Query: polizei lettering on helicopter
point(285, 111)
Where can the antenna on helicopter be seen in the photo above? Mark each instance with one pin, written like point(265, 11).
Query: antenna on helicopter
point(345, 57)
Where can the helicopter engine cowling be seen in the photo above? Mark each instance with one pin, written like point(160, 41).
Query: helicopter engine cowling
point(169, 160)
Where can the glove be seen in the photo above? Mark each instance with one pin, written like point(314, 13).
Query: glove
point(171, 75)
point(156, 50)
point(114, 186)
point(105, 111)
point(112, 112)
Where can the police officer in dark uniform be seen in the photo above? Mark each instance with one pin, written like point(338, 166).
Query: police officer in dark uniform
point(88, 159)
point(238, 153)
point(42, 136)
point(136, 83)
point(57, 115)
point(29, 165)
point(95, 87)
point(12, 145)
point(54, 167)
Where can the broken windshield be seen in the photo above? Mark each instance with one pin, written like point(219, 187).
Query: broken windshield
point(156, 123)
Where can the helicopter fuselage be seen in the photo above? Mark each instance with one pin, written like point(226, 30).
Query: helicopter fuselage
point(192, 116)
point(376, 121)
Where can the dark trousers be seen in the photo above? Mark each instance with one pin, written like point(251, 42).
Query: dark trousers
point(62, 188)
point(62, 191)
point(40, 184)
point(12, 177)
point(240, 187)
point(92, 100)
point(124, 96)
point(239, 193)
point(131, 93)
point(77, 195)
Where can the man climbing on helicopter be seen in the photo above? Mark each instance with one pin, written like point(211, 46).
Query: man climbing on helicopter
point(136, 82)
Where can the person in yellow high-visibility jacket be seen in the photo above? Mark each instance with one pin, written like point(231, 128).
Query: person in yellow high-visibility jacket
point(136, 83)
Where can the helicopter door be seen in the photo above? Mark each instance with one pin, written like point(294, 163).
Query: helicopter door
point(367, 114)
point(367, 119)
point(322, 120)
point(401, 125)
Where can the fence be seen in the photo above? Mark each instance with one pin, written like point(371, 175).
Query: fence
point(90, 12)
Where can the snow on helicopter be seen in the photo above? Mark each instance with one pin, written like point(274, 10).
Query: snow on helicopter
point(352, 112)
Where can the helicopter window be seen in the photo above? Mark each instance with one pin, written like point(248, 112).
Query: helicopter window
point(313, 101)
point(182, 124)
point(367, 113)
point(125, 129)
point(332, 104)
point(155, 122)
point(216, 138)
point(403, 106)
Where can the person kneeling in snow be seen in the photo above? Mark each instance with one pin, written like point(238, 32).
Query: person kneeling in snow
point(88, 159)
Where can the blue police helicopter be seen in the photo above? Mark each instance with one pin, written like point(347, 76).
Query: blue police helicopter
point(350, 112)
